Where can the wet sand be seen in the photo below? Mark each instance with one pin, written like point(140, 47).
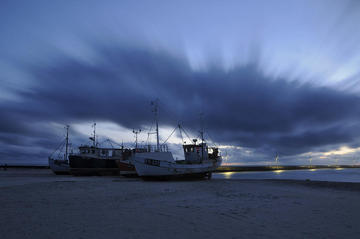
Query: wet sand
point(37, 204)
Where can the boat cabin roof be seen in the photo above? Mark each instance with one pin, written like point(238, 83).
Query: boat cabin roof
point(193, 145)
point(99, 148)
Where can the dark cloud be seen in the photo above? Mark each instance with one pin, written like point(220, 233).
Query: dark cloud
point(241, 106)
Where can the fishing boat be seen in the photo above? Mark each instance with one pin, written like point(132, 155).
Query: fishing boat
point(59, 164)
point(96, 160)
point(157, 162)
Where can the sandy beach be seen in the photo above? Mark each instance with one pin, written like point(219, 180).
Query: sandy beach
point(37, 204)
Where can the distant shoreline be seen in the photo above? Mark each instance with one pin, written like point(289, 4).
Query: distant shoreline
point(2, 166)
point(279, 167)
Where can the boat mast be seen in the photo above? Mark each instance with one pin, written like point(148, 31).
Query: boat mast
point(67, 141)
point(94, 142)
point(136, 132)
point(202, 135)
point(277, 160)
point(155, 104)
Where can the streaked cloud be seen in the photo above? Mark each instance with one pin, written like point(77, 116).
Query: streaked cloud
point(275, 77)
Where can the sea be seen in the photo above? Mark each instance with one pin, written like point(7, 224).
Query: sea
point(334, 175)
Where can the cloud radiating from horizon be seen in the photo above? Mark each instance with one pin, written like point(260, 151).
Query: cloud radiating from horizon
point(268, 80)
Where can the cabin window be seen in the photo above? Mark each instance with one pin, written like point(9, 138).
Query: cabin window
point(93, 151)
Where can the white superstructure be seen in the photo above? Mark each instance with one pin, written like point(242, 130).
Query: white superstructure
point(200, 160)
point(163, 163)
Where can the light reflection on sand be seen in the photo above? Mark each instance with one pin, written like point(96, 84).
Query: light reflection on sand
point(228, 174)
point(278, 171)
point(335, 174)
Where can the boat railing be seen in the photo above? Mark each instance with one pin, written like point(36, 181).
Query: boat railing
point(152, 148)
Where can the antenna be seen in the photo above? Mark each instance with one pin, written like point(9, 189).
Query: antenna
point(156, 112)
point(202, 127)
point(136, 132)
point(94, 125)
point(67, 141)
point(93, 138)
point(202, 134)
point(277, 159)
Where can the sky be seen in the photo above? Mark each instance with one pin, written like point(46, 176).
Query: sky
point(269, 77)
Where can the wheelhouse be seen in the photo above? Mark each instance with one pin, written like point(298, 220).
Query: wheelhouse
point(102, 152)
point(195, 152)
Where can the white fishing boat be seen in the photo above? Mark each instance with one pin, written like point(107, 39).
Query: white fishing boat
point(200, 160)
point(60, 163)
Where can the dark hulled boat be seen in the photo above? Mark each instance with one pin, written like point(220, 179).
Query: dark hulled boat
point(93, 160)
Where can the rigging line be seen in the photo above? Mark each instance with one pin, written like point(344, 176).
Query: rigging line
point(108, 141)
point(207, 132)
point(60, 144)
point(58, 147)
point(100, 143)
point(186, 133)
point(112, 146)
point(170, 135)
point(182, 138)
point(126, 144)
point(113, 142)
point(60, 151)
point(147, 140)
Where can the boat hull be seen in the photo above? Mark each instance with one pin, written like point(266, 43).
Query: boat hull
point(59, 166)
point(161, 164)
point(80, 165)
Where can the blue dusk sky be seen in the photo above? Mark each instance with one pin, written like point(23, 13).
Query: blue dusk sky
point(277, 76)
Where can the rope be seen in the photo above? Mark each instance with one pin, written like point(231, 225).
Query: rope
point(147, 140)
point(182, 139)
point(186, 133)
point(57, 148)
point(211, 139)
point(170, 135)
point(60, 151)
